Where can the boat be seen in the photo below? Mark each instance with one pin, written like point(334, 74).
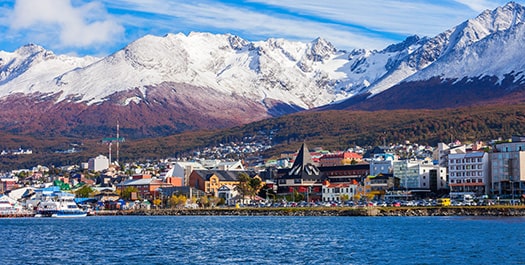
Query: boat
point(59, 205)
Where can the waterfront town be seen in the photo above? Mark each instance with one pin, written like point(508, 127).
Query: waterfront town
point(390, 175)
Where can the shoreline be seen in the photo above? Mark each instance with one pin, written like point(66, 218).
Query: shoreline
point(329, 211)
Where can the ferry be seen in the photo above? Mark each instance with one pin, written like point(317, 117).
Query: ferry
point(60, 205)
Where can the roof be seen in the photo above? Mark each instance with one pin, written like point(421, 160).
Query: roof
point(303, 166)
point(136, 182)
point(475, 154)
point(223, 175)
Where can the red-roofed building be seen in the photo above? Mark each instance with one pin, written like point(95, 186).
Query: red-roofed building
point(339, 159)
point(334, 192)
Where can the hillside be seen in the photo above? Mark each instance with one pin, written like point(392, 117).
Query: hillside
point(334, 130)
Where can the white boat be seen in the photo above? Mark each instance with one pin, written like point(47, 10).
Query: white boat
point(60, 205)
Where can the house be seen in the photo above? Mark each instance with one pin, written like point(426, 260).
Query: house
point(336, 192)
point(7, 184)
point(183, 170)
point(228, 193)
point(210, 181)
point(338, 159)
point(147, 187)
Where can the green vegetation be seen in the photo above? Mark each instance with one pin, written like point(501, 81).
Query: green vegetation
point(84, 192)
point(248, 186)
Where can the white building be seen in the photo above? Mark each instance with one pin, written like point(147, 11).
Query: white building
point(183, 170)
point(98, 163)
point(333, 192)
point(443, 150)
point(229, 193)
point(433, 177)
point(469, 174)
point(382, 164)
point(420, 175)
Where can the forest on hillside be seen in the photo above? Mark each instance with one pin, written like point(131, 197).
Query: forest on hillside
point(333, 130)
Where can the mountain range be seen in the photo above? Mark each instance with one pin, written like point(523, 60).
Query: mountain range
point(163, 85)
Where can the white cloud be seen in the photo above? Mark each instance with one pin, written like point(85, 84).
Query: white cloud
point(478, 5)
point(63, 24)
point(347, 24)
point(229, 18)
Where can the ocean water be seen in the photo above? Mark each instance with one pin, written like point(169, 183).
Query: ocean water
point(263, 240)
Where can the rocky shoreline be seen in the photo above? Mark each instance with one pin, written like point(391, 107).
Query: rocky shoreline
point(339, 211)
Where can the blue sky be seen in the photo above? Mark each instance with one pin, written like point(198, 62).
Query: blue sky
point(98, 28)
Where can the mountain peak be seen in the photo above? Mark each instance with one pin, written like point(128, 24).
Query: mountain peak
point(409, 41)
point(30, 49)
point(321, 49)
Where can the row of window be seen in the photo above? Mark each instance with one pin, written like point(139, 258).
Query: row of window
point(465, 160)
point(459, 181)
point(466, 167)
point(338, 190)
point(466, 174)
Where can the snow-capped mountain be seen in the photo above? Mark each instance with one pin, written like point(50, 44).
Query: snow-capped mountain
point(480, 57)
point(201, 80)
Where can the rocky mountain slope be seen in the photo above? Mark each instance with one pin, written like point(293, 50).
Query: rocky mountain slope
point(163, 85)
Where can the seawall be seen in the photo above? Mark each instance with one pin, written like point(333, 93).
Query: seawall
point(335, 211)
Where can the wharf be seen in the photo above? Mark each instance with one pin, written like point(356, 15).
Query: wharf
point(16, 214)
point(333, 211)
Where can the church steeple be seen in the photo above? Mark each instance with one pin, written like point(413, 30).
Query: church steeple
point(303, 166)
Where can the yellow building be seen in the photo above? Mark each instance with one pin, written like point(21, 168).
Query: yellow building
point(210, 181)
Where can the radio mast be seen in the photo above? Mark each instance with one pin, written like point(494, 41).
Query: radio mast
point(117, 140)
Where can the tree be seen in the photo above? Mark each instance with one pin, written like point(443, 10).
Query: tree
point(126, 192)
point(214, 201)
point(243, 186)
point(248, 185)
point(157, 202)
point(344, 197)
point(203, 201)
point(84, 192)
point(255, 185)
point(178, 201)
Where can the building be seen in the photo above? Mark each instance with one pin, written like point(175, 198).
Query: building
point(469, 174)
point(339, 159)
point(210, 181)
point(99, 163)
point(433, 177)
point(183, 170)
point(378, 186)
point(442, 151)
point(147, 187)
point(335, 192)
point(228, 193)
point(8, 183)
point(304, 176)
point(382, 165)
point(408, 173)
point(508, 168)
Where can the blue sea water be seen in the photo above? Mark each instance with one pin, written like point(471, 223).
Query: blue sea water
point(263, 240)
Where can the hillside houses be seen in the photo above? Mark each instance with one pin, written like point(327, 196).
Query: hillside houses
point(412, 171)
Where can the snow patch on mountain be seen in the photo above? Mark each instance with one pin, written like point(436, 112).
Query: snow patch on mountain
point(299, 74)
